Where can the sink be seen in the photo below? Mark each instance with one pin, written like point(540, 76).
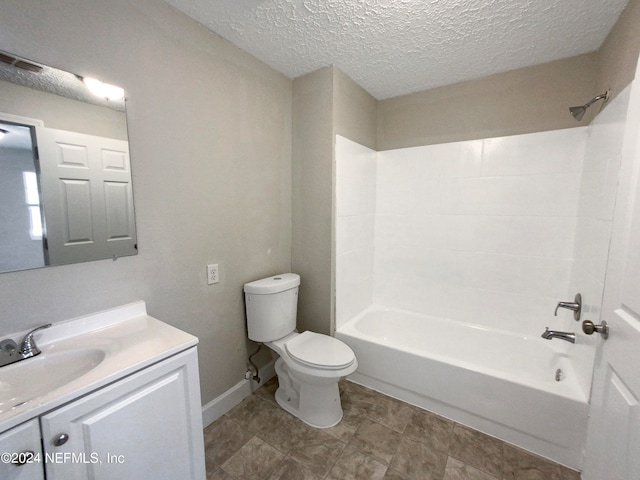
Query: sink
point(28, 379)
point(82, 355)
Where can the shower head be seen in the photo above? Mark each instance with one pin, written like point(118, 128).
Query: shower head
point(578, 112)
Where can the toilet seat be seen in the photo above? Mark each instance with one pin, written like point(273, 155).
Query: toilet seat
point(320, 351)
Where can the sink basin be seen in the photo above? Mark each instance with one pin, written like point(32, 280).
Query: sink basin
point(28, 379)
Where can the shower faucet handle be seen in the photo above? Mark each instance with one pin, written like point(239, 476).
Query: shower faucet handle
point(575, 306)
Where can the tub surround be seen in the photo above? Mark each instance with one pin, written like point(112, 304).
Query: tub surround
point(355, 223)
point(489, 221)
point(480, 230)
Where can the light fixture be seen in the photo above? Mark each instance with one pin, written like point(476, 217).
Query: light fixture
point(3, 132)
point(104, 90)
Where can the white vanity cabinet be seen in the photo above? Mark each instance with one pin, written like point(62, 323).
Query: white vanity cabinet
point(20, 448)
point(112, 395)
point(146, 426)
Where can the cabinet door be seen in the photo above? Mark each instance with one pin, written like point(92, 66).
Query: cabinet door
point(21, 443)
point(147, 426)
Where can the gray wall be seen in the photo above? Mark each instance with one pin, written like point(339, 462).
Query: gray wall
point(527, 100)
point(354, 111)
point(312, 163)
point(325, 103)
point(210, 133)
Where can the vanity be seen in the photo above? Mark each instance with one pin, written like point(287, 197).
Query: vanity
point(113, 395)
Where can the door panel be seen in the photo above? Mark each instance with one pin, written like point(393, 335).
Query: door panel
point(76, 209)
point(117, 197)
point(87, 196)
point(613, 440)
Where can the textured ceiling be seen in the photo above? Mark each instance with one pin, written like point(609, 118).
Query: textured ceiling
point(395, 47)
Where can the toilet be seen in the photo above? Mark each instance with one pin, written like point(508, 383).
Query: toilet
point(310, 364)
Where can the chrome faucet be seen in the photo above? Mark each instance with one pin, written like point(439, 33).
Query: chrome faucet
point(28, 347)
point(566, 336)
point(10, 353)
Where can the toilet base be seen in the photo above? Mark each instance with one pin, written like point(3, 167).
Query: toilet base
point(314, 400)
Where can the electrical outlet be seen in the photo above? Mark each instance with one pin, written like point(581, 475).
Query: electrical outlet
point(212, 274)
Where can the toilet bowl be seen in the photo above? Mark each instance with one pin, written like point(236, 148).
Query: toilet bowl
point(310, 364)
point(309, 369)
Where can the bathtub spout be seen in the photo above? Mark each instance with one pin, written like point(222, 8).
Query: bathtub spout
point(551, 334)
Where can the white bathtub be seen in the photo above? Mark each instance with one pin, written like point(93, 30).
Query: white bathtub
point(495, 381)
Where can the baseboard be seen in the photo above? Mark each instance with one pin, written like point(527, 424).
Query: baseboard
point(225, 402)
point(220, 405)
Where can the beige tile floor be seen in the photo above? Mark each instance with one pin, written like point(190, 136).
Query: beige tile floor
point(378, 438)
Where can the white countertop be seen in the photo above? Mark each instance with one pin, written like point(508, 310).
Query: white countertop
point(125, 338)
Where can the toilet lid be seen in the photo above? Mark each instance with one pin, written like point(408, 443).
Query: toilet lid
point(320, 351)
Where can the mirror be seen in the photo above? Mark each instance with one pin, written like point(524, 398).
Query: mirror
point(66, 194)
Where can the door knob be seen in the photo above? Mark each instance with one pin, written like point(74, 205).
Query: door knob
point(61, 439)
point(589, 327)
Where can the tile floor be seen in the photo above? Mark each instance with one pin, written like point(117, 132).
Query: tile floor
point(378, 438)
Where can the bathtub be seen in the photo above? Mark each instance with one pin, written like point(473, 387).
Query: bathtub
point(494, 381)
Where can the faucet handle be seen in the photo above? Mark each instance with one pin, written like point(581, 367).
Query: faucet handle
point(575, 306)
point(28, 348)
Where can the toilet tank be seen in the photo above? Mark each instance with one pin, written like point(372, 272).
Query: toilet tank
point(271, 305)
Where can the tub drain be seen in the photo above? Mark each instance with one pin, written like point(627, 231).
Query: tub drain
point(559, 375)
